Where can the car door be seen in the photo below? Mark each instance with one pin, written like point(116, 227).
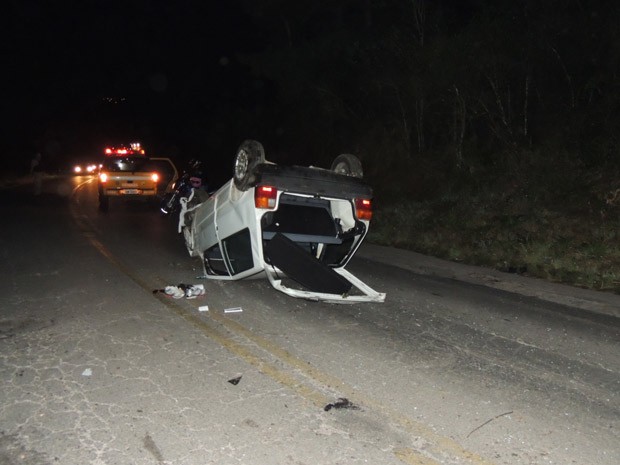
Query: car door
point(238, 229)
point(168, 172)
point(227, 228)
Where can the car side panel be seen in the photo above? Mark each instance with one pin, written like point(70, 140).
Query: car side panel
point(203, 226)
point(224, 215)
point(234, 212)
point(173, 173)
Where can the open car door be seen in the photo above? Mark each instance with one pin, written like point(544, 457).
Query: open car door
point(323, 283)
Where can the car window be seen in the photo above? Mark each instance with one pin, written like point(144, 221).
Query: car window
point(214, 261)
point(161, 166)
point(126, 165)
point(238, 250)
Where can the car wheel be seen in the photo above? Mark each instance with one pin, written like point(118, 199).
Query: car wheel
point(104, 203)
point(349, 165)
point(249, 155)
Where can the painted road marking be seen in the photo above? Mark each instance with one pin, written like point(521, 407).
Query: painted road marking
point(436, 445)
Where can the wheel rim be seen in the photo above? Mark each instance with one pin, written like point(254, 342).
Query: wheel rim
point(241, 164)
point(342, 168)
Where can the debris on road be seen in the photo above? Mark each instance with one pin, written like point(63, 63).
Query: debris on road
point(189, 291)
point(233, 310)
point(340, 404)
point(203, 308)
point(193, 290)
point(235, 381)
point(87, 372)
point(488, 421)
point(174, 291)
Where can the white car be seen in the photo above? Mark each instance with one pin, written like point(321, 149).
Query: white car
point(296, 225)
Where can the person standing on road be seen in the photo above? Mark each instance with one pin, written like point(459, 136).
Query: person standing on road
point(36, 170)
point(198, 180)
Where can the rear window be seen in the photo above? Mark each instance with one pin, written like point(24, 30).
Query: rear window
point(128, 165)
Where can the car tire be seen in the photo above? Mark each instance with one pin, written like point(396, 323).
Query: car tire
point(349, 165)
point(249, 155)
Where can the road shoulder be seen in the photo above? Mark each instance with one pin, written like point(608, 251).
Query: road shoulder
point(606, 303)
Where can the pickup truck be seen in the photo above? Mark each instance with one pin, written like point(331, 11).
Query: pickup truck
point(129, 173)
point(299, 226)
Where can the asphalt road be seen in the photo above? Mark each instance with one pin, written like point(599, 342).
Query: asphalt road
point(460, 365)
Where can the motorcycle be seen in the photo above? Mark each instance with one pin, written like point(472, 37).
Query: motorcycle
point(191, 179)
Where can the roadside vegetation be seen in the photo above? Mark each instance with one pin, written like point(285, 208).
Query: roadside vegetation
point(559, 223)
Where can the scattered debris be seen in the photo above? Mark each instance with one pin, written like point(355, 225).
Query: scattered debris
point(87, 372)
point(203, 308)
point(233, 310)
point(174, 291)
point(194, 290)
point(488, 421)
point(171, 291)
point(341, 403)
point(189, 291)
point(235, 381)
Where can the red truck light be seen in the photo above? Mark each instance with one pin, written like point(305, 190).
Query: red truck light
point(135, 149)
point(103, 177)
point(154, 177)
point(363, 209)
point(265, 197)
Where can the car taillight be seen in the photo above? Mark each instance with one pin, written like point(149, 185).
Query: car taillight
point(265, 197)
point(363, 209)
point(103, 177)
point(155, 177)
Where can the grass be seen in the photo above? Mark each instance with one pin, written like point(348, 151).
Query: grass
point(566, 232)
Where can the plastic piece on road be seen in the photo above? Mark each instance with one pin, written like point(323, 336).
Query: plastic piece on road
point(233, 310)
point(235, 381)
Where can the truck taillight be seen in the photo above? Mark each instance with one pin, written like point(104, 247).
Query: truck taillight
point(154, 177)
point(363, 209)
point(265, 197)
point(103, 177)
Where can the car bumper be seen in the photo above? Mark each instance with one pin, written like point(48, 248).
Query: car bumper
point(130, 192)
point(366, 293)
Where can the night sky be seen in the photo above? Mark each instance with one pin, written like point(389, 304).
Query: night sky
point(111, 71)
point(458, 85)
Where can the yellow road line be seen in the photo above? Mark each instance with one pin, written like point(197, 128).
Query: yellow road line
point(437, 445)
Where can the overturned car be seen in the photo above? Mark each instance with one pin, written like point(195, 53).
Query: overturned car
point(299, 226)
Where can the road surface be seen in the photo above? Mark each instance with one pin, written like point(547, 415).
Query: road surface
point(460, 365)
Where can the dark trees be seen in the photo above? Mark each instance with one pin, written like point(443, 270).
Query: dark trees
point(454, 86)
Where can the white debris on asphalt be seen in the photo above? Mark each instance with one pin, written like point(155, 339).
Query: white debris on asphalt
point(233, 310)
